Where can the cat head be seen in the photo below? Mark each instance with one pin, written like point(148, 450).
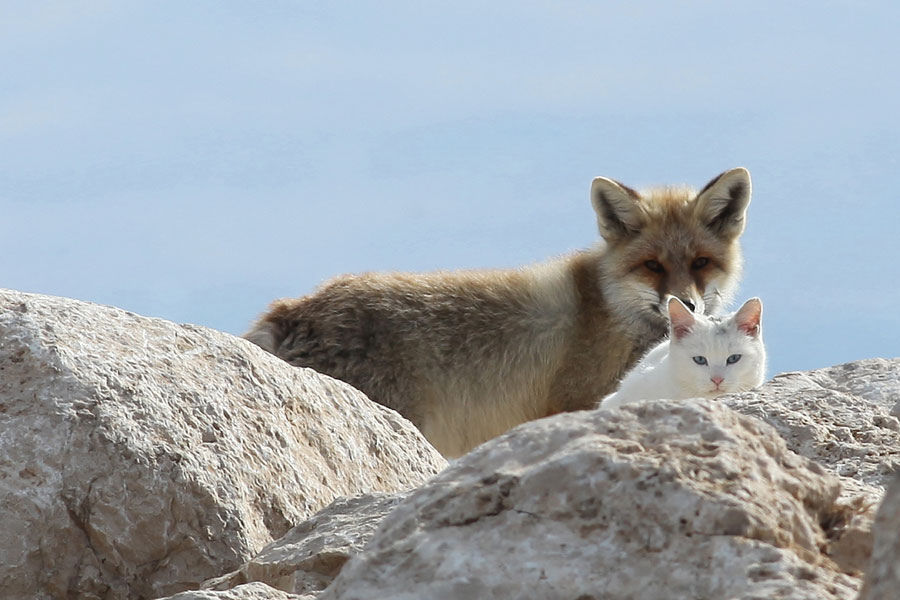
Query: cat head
point(717, 355)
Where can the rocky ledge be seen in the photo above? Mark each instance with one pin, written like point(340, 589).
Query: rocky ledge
point(143, 459)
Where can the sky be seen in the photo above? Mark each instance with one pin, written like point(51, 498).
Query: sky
point(196, 160)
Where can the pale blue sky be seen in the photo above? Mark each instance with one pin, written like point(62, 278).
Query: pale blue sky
point(195, 160)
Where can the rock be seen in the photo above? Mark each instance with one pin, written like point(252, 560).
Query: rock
point(309, 557)
point(883, 573)
point(139, 457)
point(849, 529)
point(839, 416)
point(875, 379)
point(654, 500)
point(250, 591)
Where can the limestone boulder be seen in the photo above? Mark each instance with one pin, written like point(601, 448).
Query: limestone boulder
point(139, 457)
point(250, 591)
point(883, 573)
point(309, 556)
point(845, 418)
point(842, 417)
point(654, 500)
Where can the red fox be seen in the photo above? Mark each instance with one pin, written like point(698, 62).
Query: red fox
point(466, 355)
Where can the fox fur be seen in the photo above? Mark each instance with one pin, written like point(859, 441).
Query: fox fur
point(466, 355)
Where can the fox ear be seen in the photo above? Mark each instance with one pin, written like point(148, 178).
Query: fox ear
point(749, 317)
point(618, 208)
point(681, 319)
point(722, 204)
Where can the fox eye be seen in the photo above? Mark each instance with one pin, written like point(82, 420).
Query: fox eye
point(701, 360)
point(733, 359)
point(699, 262)
point(654, 266)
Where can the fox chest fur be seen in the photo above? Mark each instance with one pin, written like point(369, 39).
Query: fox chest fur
point(467, 355)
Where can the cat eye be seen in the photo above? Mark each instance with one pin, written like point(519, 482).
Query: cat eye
point(654, 266)
point(699, 262)
point(733, 359)
point(701, 360)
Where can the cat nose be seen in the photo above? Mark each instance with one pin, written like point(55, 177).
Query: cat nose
point(717, 380)
point(691, 306)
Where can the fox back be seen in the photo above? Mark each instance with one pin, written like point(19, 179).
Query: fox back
point(466, 355)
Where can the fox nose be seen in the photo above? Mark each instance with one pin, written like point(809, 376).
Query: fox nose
point(717, 380)
point(691, 306)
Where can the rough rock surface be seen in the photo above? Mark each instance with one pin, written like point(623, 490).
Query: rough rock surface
point(883, 573)
point(654, 500)
point(311, 555)
point(250, 591)
point(139, 457)
point(842, 417)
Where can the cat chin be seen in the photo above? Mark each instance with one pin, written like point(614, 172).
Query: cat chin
point(710, 394)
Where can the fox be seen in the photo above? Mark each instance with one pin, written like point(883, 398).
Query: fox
point(466, 355)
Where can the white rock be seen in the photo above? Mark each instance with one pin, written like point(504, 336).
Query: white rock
point(309, 557)
point(883, 574)
point(250, 591)
point(139, 457)
point(656, 500)
point(839, 416)
point(842, 418)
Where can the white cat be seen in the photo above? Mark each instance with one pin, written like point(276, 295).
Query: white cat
point(703, 357)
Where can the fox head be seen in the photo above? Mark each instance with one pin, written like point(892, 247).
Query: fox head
point(670, 241)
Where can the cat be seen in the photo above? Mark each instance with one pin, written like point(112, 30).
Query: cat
point(703, 357)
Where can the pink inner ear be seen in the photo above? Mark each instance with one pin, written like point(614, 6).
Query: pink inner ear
point(749, 329)
point(680, 318)
point(748, 317)
point(680, 331)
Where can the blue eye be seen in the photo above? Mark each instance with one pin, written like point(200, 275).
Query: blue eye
point(733, 359)
point(701, 360)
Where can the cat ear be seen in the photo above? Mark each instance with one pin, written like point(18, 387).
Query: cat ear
point(681, 319)
point(619, 213)
point(722, 204)
point(749, 317)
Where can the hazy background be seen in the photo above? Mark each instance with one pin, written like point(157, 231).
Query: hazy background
point(195, 160)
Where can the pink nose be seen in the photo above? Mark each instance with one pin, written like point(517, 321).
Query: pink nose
point(717, 380)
